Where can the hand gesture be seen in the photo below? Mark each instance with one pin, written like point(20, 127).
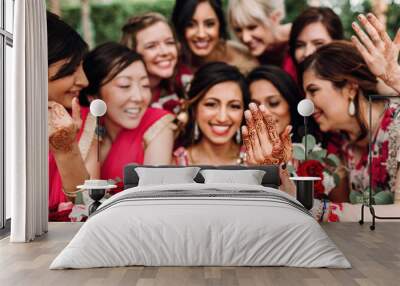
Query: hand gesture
point(62, 127)
point(378, 50)
point(263, 144)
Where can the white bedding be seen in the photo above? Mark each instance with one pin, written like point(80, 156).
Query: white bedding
point(243, 227)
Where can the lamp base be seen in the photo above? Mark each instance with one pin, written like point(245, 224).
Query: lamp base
point(305, 190)
point(96, 195)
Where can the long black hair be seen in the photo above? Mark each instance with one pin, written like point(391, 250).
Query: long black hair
point(182, 15)
point(289, 90)
point(102, 64)
point(204, 79)
point(64, 43)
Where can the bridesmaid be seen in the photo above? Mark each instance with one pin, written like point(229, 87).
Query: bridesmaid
point(151, 36)
point(133, 131)
point(258, 25)
point(66, 78)
point(201, 29)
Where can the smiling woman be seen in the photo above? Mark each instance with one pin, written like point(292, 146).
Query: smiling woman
point(201, 28)
point(217, 98)
point(153, 38)
point(133, 131)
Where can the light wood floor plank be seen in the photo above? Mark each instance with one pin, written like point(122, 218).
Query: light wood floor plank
point(374, 255)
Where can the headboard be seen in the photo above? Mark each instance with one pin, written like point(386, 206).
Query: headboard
point(270, 179)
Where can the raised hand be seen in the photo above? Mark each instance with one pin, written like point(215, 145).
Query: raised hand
point(378, 50)
point(262, 142)
point(62, 127)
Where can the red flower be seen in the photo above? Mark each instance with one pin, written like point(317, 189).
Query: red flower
point(119, 188)
point(387, 119)
point(379, 172)
point(363, 162)
point(385, 151)
point(313, 168)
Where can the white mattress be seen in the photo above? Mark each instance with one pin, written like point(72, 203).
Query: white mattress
point(264, 228)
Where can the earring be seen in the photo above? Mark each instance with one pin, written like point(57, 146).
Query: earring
point(196, 131)
point(352, 107)
point(238, 137)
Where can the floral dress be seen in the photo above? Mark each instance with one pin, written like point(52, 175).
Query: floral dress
point(385, 148)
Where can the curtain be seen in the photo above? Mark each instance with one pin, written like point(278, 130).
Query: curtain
point(26, 124)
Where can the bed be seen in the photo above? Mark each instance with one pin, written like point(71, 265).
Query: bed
point(201, 223)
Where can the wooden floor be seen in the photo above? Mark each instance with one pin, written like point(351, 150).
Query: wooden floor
point(374, 255)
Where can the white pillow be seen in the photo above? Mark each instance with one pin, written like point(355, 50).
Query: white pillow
point(162, 176)
point(249, 177)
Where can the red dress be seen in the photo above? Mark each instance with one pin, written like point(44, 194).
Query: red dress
point(128, 147)
point(56, 195)
point(167, 98)
point(130, 144)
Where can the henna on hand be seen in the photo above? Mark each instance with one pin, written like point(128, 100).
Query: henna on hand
point(259, 121)
point(62, 130)
point(61, 139)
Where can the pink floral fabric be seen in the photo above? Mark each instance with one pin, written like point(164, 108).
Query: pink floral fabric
point(382, 147)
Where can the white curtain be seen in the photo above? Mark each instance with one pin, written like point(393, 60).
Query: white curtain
point(26, 124)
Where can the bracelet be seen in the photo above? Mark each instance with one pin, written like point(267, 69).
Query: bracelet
point(321, 219)
point(71, 194)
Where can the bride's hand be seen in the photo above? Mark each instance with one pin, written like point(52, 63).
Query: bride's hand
point(263, 144)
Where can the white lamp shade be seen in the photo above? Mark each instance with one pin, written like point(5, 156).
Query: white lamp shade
point(98, 107)
point(305, 107)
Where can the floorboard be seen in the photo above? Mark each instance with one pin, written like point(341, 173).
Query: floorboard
point(374, 255)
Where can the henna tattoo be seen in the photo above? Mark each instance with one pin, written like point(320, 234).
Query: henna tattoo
point(62, 131)
point(61, 139)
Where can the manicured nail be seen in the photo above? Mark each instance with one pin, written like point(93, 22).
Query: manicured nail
point(252, 106)
point(369, 15)
point(262, 107)
point(247, 114)
point(360, 17)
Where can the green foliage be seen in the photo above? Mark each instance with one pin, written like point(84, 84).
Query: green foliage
point(311, 142)
point(107, 19)
point(293, 9)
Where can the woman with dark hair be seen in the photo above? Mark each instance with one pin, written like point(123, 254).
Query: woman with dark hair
point(153, 38)
point(313, 28)
point(216, 100)
point(339, 76)
point(66, 78)
point(133, 132)
point(278, 92)
point(339, 82)
point(201, 29)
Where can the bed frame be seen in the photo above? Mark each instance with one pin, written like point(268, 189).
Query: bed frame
point(270, 179)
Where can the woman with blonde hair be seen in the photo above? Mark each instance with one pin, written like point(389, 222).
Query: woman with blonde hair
point(257, 24)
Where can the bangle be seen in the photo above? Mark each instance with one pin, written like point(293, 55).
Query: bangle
point(321, 219)
point(71, 194)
